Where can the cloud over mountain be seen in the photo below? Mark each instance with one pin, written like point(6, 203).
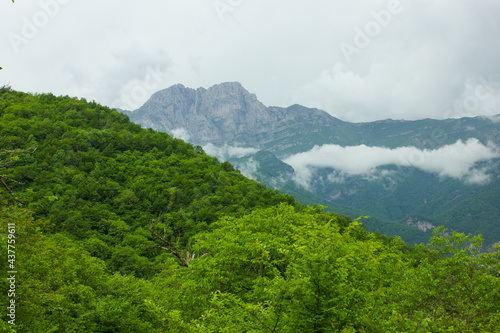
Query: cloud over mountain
point(458, 160)
point(226, 152)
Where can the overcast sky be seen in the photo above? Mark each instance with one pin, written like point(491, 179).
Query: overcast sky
point(360, 60)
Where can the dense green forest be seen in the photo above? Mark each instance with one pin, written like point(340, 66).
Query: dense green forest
point(122, 229)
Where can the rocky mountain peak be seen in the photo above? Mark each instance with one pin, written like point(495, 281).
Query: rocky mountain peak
point(223, 113)
point(232, 88)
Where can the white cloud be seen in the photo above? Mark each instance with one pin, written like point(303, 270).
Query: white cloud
point(249, 168)
point(181, 133)
point(480, 96)
point(226, 152)
point(494, 119)
point(419, 65)
point(336, 177)
point(457, 161)
point(412, 69)
point(477, 176)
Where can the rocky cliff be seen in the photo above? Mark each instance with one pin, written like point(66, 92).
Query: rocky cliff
point(226, 113)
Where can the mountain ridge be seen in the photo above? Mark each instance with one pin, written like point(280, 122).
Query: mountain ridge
point(227, 114)
point(223, 113)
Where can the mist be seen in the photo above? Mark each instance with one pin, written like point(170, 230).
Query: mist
point(458, 160)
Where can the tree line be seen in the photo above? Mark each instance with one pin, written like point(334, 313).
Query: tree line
point(124, 229)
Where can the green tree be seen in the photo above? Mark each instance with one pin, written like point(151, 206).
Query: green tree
point(458, 287)
point(62, 288)
point(281, 270)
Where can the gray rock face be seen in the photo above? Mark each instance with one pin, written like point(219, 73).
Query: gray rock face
point(224, 113)
point(228, 114)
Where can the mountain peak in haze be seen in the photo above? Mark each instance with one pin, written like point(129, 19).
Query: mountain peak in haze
point(223, 113)
point(227, 113)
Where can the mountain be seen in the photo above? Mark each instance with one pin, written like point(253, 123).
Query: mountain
point(403, 192)
point(227, 113)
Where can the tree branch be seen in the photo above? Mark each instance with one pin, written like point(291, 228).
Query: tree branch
point(2, 177)
point(5, 185)
point(170, 247)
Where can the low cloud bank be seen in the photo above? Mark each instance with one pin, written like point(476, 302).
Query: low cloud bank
point(181, 133)
point(249, 169)
point(226, 152)
point(457, 161)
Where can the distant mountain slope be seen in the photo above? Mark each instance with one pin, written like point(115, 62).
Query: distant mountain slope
point(227, 114)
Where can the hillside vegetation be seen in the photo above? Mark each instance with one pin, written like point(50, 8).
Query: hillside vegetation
point(122, 229)
point(227, 120)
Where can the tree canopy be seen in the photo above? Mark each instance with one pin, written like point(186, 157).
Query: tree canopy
point(124, 229)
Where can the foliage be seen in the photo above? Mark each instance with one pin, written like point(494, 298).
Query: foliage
point(62, 288)
point(99, 177)
point(279, 270)
point(255, 261)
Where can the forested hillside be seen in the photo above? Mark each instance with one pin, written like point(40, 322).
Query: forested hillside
point(280, 147)
point(122, 229)
point(97, 176)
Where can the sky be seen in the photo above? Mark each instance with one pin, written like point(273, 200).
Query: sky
point(359, 60)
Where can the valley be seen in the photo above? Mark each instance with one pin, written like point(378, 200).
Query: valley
point(310, 154)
